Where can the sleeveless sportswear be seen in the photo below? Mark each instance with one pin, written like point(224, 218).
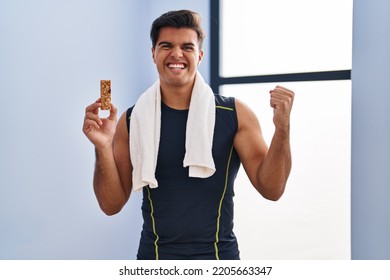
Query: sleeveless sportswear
point(191, 218)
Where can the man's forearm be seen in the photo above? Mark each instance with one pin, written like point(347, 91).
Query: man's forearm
point(275, 169)
point(107, 184)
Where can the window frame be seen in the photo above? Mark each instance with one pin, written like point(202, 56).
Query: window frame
point(216, 80)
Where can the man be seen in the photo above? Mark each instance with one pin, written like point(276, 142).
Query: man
point(185, 216)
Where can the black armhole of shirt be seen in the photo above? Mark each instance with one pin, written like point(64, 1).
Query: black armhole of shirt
point(128, 115)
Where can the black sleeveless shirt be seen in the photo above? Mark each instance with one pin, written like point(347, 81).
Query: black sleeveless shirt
point(191, 218)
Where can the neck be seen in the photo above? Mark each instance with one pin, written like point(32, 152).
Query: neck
point(177, 97)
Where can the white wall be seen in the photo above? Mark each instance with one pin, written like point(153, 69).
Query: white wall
point(312, 219)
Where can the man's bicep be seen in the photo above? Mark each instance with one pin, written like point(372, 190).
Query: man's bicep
point(249, 142)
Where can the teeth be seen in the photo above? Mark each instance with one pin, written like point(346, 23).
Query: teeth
point(177, 66)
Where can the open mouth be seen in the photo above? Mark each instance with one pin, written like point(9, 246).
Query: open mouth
point(176, 66)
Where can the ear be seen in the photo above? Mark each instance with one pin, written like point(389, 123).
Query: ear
point(201, 54)
point(153, 55)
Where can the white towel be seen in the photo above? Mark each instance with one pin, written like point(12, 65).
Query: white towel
point(145, 125)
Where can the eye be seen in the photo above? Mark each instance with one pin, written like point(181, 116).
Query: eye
point(189, 48)
point(165, 46)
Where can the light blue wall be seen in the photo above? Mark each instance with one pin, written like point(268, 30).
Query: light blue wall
point(52, 55)
point(371, 130)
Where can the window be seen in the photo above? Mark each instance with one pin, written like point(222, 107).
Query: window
point(304, 45)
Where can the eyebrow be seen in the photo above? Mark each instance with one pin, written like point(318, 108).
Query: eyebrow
point(169, 43)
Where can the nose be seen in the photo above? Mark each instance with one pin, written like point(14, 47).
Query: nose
point(177, 52)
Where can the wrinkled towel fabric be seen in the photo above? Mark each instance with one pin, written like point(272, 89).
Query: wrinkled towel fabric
point(145, 125)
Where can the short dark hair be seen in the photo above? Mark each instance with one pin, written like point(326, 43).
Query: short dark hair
point(178, 19)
